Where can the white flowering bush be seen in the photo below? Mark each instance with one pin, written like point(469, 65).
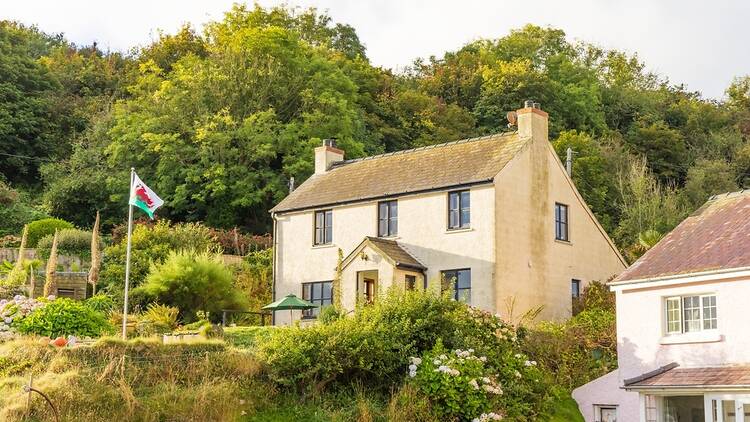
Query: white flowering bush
point(458, 383)
point(14, 310)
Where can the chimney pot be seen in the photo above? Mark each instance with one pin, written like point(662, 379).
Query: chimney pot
point(537, 106)
point(330, 142)
point(528, 104)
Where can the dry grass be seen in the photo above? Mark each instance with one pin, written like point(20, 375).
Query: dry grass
point(141, 380)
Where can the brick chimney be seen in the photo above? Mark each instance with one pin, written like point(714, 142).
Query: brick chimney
point(326, 155)
point(532, 121)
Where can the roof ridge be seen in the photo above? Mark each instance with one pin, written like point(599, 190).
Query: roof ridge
point(426, 147)
point(740, 192)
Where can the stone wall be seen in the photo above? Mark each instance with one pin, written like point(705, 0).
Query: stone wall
point(69, 284)
point(64, 262)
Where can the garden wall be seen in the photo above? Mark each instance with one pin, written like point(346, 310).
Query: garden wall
point(64, 262)
point(69, 284)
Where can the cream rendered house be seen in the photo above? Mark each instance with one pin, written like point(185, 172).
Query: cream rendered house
point(683, 332)
point(496, 218)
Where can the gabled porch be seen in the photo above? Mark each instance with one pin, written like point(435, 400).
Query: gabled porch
point(375, 266)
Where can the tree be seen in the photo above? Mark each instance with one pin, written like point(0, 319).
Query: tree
point(193, 282)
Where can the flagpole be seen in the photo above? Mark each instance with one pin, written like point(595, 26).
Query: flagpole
point(127, 258)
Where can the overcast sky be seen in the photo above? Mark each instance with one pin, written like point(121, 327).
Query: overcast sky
point(703, 44)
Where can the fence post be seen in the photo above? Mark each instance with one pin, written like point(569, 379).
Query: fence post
point(223, 318)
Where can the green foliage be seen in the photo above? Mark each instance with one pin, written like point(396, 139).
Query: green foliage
point(16, 210)
point(458, 384)
point(45, 227)
point(254, 278)
point(151, 244)
point(581, 349)
point(193, 282)
point(328, 314)
point(373, 346)
point(247, 337)
point(158, 319)
point(62, 317)
point(70, 242)
point(101, 303)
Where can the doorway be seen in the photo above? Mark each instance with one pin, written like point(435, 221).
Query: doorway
point(367, 286)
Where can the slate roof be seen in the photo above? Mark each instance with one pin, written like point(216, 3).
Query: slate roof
point(391, 250)
point(675, 377)
point(452, 164)
point(715, 237)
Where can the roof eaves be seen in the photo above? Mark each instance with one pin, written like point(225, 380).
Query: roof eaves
point(651, 374)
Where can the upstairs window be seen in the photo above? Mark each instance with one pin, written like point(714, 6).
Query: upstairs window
point(460, 282)
point(561, 222)
point(323, 227)
point(688, 314)
point(459, 214)
point(387, 218)
point(319, 293)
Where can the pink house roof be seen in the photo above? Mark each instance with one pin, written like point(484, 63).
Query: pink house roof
point(715, 237)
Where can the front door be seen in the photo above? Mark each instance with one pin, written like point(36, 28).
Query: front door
point(369, 290)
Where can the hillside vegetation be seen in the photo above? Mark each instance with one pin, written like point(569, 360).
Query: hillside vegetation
point(218, 119)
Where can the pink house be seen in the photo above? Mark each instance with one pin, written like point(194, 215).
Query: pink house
point(683, 325)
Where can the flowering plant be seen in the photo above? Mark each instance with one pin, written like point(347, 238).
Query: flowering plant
point(459, 384)
point(14, 310)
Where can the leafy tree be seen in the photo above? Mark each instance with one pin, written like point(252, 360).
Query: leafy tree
point(193, 282)
point(706, 178)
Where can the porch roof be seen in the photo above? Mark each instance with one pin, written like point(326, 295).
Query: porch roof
point(674, 377)
point(390, 250)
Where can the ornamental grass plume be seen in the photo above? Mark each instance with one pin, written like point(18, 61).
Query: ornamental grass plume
point(96, 257)
point(50, 285)
point(17, 276)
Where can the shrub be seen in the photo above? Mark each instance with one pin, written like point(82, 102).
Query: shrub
point(580, 349)
point(458, 383)
point(162, 318)
point(254, 278)
point(71, 242)
point(247, 337)
point(151, 244)
point(193, 282)
point(41, 228)
point(17, 208)
point(62, 317)
point(101, 303)
point(329, 314)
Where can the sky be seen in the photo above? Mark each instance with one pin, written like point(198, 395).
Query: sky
point(700, 44)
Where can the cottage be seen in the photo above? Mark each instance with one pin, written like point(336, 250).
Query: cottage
point(495, 219)
point(683, 343)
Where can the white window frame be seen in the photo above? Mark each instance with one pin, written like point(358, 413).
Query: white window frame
point(681, 313)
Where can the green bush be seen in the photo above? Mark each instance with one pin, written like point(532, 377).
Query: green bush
point(41, 228)
point(248, 337)
point(373, 346)
point(101, 303)
point(71, 242)
point(583, 348)
point(151, 244)
point(161, 318)
point(328, 314)
point(458, 383)
point(62, 317)
point(193, 282)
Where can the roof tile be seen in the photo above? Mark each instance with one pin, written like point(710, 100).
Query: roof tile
point(715, 237)
point(464, 162)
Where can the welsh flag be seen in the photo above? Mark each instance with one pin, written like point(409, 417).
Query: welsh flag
point(143, 197)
